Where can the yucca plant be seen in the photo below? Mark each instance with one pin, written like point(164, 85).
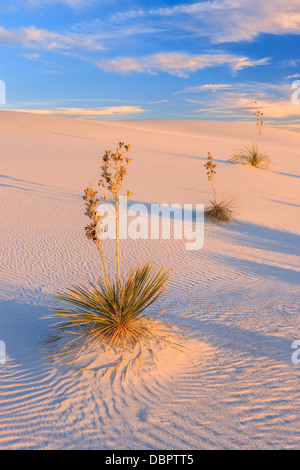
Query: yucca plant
point(113, 312)
point(250, 155)
point(220, 210)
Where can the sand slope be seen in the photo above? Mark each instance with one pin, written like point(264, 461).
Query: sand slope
point(237, 297)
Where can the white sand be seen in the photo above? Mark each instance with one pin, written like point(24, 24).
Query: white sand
point(237, 297)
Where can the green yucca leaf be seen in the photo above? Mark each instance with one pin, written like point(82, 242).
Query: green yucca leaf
point(112, 313)
point(222, 211)
point(250, 155)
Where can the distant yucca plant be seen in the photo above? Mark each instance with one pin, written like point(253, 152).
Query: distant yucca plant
point(112, 312)
point(250, 155)
point(219, 211)
point(222, 211)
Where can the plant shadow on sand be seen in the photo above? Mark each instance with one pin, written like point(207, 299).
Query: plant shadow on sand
point(18, 180)
point(30, 186)
point(264, 272)
point(264, 238)
point(23, 337)
point(285, 203)
point(195, 157)
point(21, 331)
point(285, 174)
point(26, 340)
point(252, 344)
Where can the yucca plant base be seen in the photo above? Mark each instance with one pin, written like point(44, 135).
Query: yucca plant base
point(221, 212)
point(112, 316)
point(251, 156)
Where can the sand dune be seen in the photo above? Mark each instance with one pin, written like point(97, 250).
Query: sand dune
point(236, 298)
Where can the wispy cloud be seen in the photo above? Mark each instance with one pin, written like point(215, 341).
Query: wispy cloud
point(35, 38)
point(295, 75)
point(239, 106)
point(223, 20)
point(274, 100)
point(207, 87)
point(236, 101)
point(86, 112)
point(176, 63)
point(69, 3)
point(158, 101)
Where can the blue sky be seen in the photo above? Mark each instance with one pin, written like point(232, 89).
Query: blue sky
point(152, 59)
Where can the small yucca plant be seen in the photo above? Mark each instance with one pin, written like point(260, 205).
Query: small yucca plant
point(112, 312)
point(222, 211)
point(250, 155)
point(219, 211)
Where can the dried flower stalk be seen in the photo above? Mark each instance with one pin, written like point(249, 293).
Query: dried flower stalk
point(92, 230)
point(210, 166)
point(259, 123)
point(114, 169)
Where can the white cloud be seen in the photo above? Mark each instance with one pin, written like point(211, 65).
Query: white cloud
point(35, 38)
point(223, 20)
point(241, 106)
point(296, 75)
point(159, 101)
point(176, 63)
point(208, 87)
point(86, 112)
point(237, 101)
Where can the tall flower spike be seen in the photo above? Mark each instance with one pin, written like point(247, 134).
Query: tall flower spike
point(114, 169)
point(210, 167)
point(259, 122)
point(91, 230)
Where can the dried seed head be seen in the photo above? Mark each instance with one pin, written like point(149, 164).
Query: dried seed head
point(210, 166)
point(114, 169)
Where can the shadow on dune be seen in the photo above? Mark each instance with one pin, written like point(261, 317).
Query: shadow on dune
point(198, 157)
point(11, 178)
point(13, 187)
point(285, 174)
point(263, 271)
point(74, 136)
point(22, 332)
point(37, 187)
point(285, 203)
point(248, 343)
point(264, 238)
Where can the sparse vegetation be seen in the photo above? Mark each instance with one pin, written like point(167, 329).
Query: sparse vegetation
point(250, 155)
point(220, 210)
point(114, 311)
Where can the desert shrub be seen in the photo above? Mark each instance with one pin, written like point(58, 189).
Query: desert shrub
point(251, 155)
point(219, 210)
point(113, 312)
